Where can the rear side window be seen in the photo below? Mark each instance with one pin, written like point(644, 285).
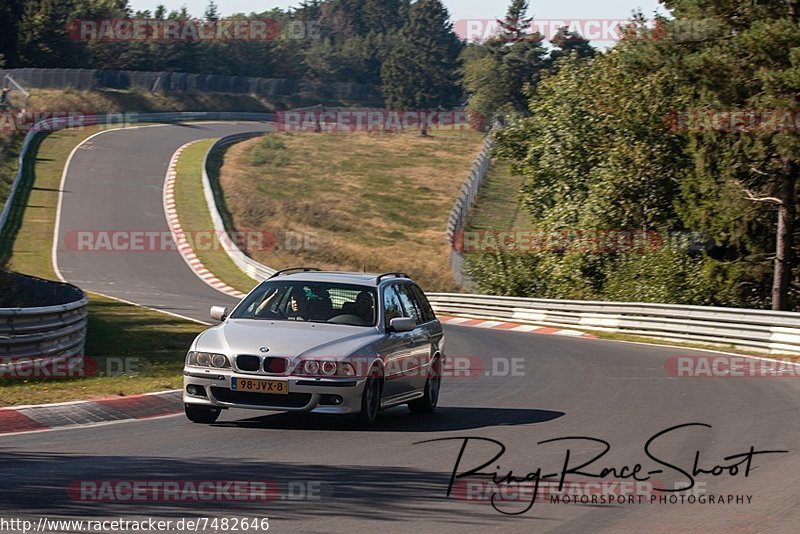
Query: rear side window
point(392, 305)
point(409, 303)
point(422, 302)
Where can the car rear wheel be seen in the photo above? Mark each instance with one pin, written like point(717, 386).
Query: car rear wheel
point(201, 414)
point(370, 399)
point(427, 404)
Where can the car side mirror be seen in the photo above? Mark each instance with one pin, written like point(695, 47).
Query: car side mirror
point(219, 313)
point(402, 324)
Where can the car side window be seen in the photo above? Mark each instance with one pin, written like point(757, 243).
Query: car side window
point(392, 304)
point(409, 303)
point(425, 306)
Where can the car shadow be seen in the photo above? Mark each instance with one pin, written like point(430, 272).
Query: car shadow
point(399, 419)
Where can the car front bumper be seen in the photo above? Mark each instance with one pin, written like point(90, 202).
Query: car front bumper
point(341, 395)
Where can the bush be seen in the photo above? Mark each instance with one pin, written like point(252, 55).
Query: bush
point(669, 275)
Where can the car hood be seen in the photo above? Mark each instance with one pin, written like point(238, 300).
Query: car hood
point(286, 338)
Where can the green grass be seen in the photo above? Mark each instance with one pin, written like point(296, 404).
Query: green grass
point(9, 151)
point(498, 207)
point(116, 330)
point(193, 213)
point(27, 241)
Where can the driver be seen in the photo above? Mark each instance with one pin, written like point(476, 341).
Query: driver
point(298, 303)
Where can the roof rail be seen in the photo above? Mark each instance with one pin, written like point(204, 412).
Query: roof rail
point(299, 269)
point(386, 275)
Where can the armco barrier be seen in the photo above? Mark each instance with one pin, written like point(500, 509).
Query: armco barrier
point(761, 330)
point(463, 204)
point(57, 329)
point(247, 265)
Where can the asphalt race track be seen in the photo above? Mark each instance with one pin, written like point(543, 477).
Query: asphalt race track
point(365, 480)
point(115, 182)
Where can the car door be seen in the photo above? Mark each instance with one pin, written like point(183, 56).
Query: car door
point(415, 370)
point(433, 328)
point(399, 349)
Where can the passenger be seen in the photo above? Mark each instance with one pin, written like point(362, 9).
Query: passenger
point(365, 308)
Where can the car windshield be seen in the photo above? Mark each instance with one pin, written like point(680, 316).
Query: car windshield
point(321, 302)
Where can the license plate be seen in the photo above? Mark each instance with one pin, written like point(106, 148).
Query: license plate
point(276, 387)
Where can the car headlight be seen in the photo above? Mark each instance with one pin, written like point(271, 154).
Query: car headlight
point(208, 359)
point(311, 367)
point(345, 369)
point(328, 368)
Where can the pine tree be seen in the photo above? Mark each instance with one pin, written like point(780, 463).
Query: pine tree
point(421, 72)
point(747, 60)
point(512, 61)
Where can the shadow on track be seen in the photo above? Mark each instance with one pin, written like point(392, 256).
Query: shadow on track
point(445, 419)
point(37, 484)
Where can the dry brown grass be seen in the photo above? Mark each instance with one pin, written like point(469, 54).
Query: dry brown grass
point(376, 202)
point(108, 101)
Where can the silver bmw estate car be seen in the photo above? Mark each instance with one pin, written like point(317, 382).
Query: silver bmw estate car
point(323, 342)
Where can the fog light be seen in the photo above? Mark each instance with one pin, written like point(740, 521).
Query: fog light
point(197, 391)
point(330, 400)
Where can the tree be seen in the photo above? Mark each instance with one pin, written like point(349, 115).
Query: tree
point(10, 15)
point(212, 12)
point(566, 42)
point(498, 78)
point(422, 71)
point(610, 144)
point(43, 39)
point(748, 60)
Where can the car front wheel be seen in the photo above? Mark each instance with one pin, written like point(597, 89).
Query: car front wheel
point(427, 404)
point(370, 399)
point(201, 414)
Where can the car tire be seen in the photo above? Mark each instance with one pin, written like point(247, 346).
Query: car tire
point(433, 384)
point(370, 399)
point(201, 414)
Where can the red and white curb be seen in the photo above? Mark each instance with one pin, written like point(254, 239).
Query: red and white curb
point(179, 236)
point(512, 327)
point(42, 417)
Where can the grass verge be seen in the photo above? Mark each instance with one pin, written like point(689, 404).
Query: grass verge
point(156, 341)
point(194, 216)
point(498, 207)
point(619, 336)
